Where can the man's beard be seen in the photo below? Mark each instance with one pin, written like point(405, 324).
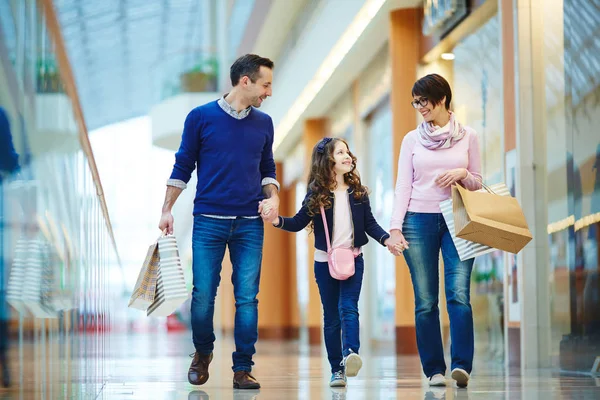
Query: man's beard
point(257, 102)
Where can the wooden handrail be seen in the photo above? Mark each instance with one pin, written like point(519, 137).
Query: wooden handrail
point(68, 79)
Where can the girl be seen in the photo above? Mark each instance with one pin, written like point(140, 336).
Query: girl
point(334, 184)
point(438, 154)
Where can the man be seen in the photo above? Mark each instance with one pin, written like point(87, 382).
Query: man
point(230, 143)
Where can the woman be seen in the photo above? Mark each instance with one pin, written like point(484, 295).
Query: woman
point(438, 154)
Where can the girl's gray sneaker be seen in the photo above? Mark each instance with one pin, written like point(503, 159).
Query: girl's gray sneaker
point(338, 379)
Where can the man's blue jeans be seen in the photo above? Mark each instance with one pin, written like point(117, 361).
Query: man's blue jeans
point(245, 240)
point(340, 311)
point(426, 235)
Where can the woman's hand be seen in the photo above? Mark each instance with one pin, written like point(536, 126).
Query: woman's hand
point(394, 249)
point(452, 176)
point(396, 243)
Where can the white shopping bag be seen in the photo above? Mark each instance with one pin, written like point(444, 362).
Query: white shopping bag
point(39, 288)
point(171, 290)
point(15, 291)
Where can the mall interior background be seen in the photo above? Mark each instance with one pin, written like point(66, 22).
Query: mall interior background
point(95, 94)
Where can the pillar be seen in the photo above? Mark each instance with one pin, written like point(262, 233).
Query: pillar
point(531, 184)
point(512, 330)
point(405, 35)
point(314, 130)
point(277, 298)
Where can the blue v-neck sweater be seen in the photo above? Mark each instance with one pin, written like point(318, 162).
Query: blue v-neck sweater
point(231, 156)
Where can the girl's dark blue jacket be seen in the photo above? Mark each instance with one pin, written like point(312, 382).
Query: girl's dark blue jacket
point(362, 220)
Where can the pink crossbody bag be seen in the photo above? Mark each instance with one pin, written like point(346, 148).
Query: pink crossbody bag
point(340, 259)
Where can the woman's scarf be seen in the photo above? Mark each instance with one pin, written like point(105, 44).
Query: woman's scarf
point(433, 137)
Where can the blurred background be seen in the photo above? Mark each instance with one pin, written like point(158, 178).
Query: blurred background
point(93, 95)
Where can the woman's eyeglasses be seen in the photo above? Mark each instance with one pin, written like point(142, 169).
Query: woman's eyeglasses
point(422, 102)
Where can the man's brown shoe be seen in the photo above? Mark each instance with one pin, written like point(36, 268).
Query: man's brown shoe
point(243, 380)
point(198, 372)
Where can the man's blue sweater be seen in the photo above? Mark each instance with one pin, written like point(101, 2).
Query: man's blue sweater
point(231, 156)
point(9, 159)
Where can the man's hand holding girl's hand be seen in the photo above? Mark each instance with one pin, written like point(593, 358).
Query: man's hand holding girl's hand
point(269, 209)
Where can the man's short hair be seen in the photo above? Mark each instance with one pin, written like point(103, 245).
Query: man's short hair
point(248, 65)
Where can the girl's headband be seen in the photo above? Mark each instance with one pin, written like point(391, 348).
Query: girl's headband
point(322, 144)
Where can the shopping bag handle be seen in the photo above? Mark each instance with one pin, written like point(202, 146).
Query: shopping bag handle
point(487, 188)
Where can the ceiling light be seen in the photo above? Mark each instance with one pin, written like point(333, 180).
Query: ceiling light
point(448, 56)
point(331, 62)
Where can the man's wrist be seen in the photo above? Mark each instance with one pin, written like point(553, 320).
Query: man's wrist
point(271, 191)
point(270, 181)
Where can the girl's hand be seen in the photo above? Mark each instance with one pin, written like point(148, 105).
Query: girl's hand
point(269, 208)
point(394, 249)
point(396, 243)
point(452, 176)
point(275, 221)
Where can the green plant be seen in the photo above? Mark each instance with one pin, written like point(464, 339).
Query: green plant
point(48, 76)
point(202, 77)
point(210, 67)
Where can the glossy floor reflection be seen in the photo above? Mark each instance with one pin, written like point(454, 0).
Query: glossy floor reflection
point(154, 366)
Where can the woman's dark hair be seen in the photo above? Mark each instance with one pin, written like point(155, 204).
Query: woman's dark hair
point(434, 87)
point(248, 65)
point(321, 180)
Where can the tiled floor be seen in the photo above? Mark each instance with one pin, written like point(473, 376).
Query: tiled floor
point(288, 371)
point(154, 366)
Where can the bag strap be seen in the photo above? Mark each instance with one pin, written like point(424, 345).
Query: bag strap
point(326, 229)
point(487, 188)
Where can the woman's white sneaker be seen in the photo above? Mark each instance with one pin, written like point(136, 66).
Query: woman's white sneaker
point(352, 363)
point(437, 380)
point(461, 377)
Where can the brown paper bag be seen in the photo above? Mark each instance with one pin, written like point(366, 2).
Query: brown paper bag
point(489, 219)
point(465, 248)
point(145, 287)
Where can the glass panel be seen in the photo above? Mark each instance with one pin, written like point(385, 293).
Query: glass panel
point(379, 179)
point(55, 251)
point(572, 70)
point(477, 100)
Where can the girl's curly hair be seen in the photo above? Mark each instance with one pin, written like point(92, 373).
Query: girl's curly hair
point(321, 180)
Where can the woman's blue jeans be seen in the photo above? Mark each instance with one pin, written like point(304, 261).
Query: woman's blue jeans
point(427, 234)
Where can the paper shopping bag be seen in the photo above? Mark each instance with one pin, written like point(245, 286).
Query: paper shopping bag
point(465, 248)
point(39, 288)
point(16, 280)
point(489, 219)
point(145, 287)
point(171, 290)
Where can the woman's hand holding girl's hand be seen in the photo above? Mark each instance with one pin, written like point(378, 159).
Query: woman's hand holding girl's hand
point(451, 177)
point(395, 249)
point(396, 243)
